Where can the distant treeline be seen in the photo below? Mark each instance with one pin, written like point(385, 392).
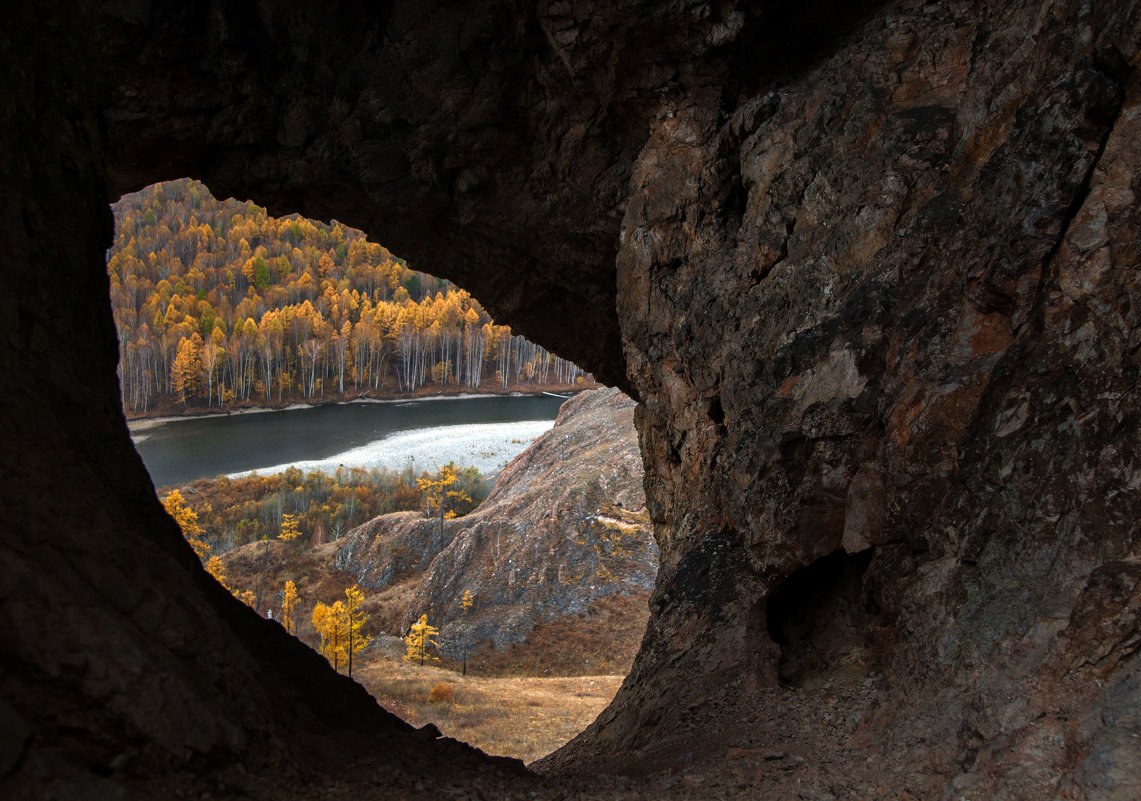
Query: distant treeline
point(217, 303)
point(236, 511)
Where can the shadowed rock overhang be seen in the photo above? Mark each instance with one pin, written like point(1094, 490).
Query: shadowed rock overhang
point(870, 268)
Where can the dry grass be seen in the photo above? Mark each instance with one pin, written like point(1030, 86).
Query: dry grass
point(526, 718)
point(507, 710)
point(601, 641)
point(316, 580)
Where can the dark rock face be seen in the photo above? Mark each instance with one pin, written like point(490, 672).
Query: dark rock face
point(915, 341)
point(563, 527)
point(871, 268)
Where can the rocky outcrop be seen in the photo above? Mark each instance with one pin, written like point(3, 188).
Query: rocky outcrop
point(915, 344)
point(391, 547)
point(869, 267)
point(563, 527)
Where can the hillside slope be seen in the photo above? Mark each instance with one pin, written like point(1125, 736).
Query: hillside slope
point(563, 528)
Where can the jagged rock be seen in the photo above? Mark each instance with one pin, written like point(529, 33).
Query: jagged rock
point(907, 345)
point(389, 547)
point(563, 527)
point(869, 266)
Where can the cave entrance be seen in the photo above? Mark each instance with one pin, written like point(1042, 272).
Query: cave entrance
point(821, 616)
point(222, 308)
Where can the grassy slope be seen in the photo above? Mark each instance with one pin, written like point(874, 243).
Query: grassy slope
point(522, 717)
point(524, 702)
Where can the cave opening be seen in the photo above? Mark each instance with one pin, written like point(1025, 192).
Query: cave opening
point(821, 617)
point(222, 308)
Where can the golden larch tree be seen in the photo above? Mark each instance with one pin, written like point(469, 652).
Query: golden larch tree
point(186, 370)
point(439, 495)
point(355, 619)
point(216, 569)
point(466, 603)
point(187, 519)
point(289, 607)
point(331, 624)
point(419, 639)
point(289, 529)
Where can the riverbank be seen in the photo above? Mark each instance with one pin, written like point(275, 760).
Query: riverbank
point(471, 431)
point(140, 423)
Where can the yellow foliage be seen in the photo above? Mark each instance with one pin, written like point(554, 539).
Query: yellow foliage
point(289, 529)
point(355, 619)
point(187, 520)
point(441, 372)
point(329, 621)
point(419, 639)
point(339, 627)
point(215, 568)
point(288, 607)
point(438, 495)
point(467, 600)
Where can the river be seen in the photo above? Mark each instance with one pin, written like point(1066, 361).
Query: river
point(484, 432)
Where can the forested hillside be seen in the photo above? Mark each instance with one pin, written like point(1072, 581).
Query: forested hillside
point(218, 304)
point(321, 506)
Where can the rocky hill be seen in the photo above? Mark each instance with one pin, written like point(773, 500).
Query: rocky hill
point(564, 527)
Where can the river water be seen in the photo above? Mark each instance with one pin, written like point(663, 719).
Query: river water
point(485, 432)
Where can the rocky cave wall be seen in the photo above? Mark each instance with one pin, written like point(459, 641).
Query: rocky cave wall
point(871, 268)
point(891, 304)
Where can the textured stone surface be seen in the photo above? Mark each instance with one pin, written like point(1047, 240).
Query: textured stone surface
point(870, 267)
point(390, 547)
point(560, 530)
point(915, 340)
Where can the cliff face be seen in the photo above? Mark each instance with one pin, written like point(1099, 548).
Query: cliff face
point(563, 527)
point(870, 268)
point(919, 345)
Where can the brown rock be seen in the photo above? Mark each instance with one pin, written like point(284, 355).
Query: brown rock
point(923, 212)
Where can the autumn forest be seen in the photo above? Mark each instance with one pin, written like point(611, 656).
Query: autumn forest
point(218, 304)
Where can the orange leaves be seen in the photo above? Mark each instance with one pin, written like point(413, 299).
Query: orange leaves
point(187, 520)
point(442, 693)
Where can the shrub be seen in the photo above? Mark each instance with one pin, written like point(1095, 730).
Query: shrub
point(442, 693)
